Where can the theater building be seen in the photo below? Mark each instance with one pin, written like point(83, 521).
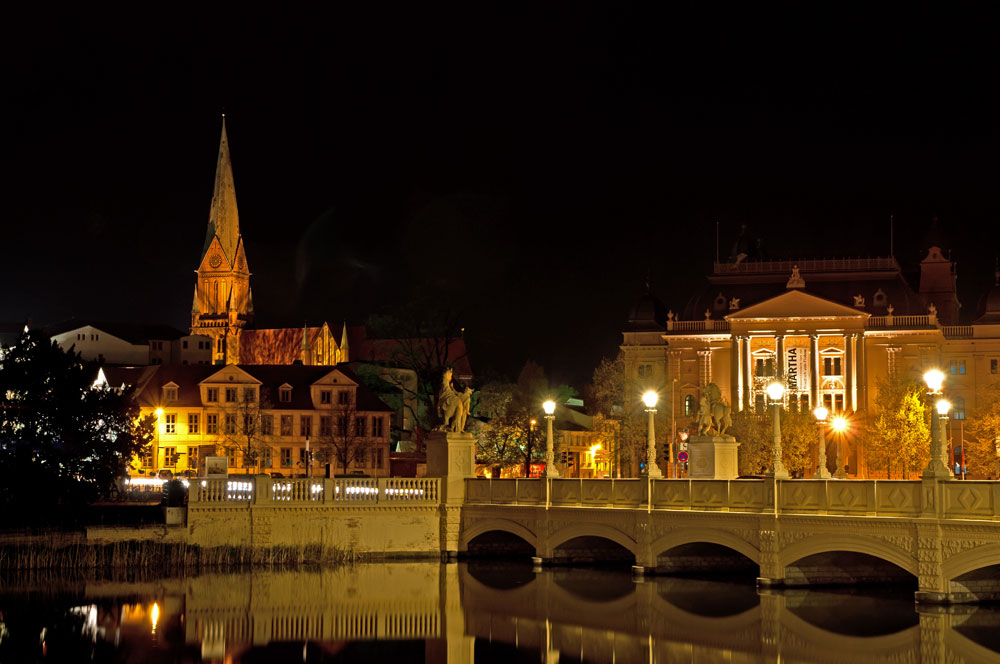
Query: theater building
point(828, 329)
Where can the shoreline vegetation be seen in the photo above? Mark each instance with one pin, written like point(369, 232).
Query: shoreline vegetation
point(162, 558)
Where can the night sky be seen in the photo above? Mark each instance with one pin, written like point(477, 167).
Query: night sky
point(528, 162)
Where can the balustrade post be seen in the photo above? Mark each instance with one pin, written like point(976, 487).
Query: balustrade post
point(380, 495)
point(328, 490)
point(261, 489)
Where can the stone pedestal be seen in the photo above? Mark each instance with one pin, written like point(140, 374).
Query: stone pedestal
point(452, 457)
point(713, 457)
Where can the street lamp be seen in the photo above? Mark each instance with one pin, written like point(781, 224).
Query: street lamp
point(821, 413)
point(840, 426)
point(776, 391)
point(550, 463)
point(652, 470)
point(936, 467)
point(943, 406)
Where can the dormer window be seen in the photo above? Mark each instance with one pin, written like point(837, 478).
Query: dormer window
point(879, 299)
point(170, 393)
point(285, 394)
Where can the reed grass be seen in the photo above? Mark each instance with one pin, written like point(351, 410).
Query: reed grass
point(163, 557)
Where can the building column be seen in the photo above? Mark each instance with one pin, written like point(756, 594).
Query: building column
point(862, 374)
point(893, 353)
point(735, 395)
point(705, 367)
point(850, 399)
point(814, 370)
point(779, 358)
point(745, 342)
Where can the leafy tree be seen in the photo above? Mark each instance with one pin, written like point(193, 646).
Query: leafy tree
point(616, 396)
point(897, 434)
point(755, 433)
point(248, 426)
point(62, 440)
point(982, 434)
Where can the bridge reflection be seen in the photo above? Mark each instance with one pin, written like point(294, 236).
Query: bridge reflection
point(559, 614)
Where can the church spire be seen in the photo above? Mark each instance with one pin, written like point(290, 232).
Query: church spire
point(224, 218)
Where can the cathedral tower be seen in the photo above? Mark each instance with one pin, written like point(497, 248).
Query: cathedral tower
point(223, 304)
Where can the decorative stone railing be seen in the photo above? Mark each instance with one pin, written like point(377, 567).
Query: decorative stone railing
point(278, 492)
point(957, 331)
point(896, 498)
point(705, 325)
point(808, 265)
point(879, 322)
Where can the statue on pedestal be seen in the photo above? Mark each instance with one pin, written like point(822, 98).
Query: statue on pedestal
point(452, 406)
point(713, 412)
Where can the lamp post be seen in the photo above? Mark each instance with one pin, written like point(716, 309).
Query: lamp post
point(936, 467)
point(821, 413)
point(550, 462)
point(776, 391)
point(652, 470)
point(840, 427)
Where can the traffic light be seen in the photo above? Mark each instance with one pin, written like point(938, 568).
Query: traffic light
point(563, 457)
point(666, 452)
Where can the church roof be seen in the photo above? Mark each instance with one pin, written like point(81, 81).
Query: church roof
point(224, 218)
point(281, 345)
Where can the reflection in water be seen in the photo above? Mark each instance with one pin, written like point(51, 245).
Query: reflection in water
point(481, 612)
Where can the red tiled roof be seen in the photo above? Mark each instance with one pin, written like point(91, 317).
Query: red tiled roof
point(281, 345)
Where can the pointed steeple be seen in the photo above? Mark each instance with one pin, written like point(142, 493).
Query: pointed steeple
point(224, 218)
point(344, 349)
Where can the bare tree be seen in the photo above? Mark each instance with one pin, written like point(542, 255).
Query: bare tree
point(247, 426)
point(343, 433)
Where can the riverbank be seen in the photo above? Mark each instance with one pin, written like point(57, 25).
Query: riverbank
point(141, 549)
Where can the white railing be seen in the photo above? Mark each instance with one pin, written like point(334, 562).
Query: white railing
point(808, 265)
point(321, 491)
point(901, 321)
point(708, 325)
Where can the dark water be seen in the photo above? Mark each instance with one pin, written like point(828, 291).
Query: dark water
point(482, 612)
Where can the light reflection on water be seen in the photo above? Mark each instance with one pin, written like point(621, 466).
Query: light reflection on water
point(478, 612)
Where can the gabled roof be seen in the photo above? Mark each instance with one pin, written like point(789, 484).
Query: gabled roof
point(796, 304)
point(138, 334)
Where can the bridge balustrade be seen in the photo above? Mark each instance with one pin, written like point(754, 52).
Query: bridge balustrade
point(322, 491)
point(896, 498)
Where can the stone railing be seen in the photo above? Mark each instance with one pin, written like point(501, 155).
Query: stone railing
point(957, 331)
point(896, 498)
point(705, 325)
point(808, 265)
point(277, 492)
point(880, 322)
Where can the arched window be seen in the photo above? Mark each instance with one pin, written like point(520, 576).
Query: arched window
point(689, 405)
point(958, 408)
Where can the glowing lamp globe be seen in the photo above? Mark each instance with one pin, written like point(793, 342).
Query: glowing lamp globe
point(650, 398)
point(934, 379)
point(549, 407)
point(775, 390)
point(159, 412)
point(821, 413)
point(840, 424)
point(943, 406)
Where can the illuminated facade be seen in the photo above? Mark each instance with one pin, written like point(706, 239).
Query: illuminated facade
point(208, 410)
point(829, 329)
point(223, 303)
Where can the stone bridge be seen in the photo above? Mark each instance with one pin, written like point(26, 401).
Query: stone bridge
point(943, 534)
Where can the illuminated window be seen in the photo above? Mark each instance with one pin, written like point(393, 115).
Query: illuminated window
point(170, 456)
point(958, 367)
point(170, 423)
point(192, 457)
point(170, 394)
point(286, 457)
point(212, 424)
point(689, 405)
point(958, 408)
point(267, 460)
point(231, 456)
point(193, 423)
point(286, 425)
point(212, 395)
point(147, 457)
point(230, 394)
point(230, 423)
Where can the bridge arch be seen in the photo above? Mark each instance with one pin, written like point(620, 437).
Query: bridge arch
point(488, 525)
point(590, 530)
point(707, 535)
point(976, 558)
point(871, 546)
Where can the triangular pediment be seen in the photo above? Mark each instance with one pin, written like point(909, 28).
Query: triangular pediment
point(230, 374)
point(336, 377)
point(215, 259)
point(796, 304)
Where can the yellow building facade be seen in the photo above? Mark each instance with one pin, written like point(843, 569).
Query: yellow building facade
point(827, 329)
point(273, 413)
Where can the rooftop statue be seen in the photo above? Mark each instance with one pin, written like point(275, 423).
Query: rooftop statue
point(452, 406)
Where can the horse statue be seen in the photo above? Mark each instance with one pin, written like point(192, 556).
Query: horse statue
point(452, 406)
point(713, 415)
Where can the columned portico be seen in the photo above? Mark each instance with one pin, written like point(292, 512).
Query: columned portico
point(779, 360)
point(850, 396)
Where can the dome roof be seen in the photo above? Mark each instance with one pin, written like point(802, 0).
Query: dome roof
point(648, 313)
point(989, 304)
